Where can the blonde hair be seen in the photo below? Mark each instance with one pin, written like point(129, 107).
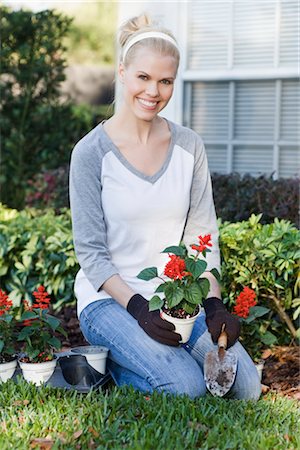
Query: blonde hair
point(141, 24)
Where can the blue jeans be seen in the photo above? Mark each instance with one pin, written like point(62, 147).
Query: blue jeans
point(138, 360)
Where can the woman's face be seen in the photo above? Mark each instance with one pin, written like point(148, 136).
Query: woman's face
point(148, 82)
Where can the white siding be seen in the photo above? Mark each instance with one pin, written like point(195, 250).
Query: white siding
point(207, 35)
point(289, 33)
point(254, 33)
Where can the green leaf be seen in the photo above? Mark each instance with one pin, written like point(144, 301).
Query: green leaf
point(175, 250)
point(216, 274)
point(25, 332)
point(155, 303)
point(1, 345)
point(256, 311)
point(54, 342)
point(177, 296)
point(188, 307)
point(29, 315)
point(193, 294)
point(160, 288)
point(52, 321)
point(269, 338)
point(204, 286)
point(148, 274)
point(195, 267)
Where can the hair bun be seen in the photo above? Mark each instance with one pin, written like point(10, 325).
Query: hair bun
point(134, 25)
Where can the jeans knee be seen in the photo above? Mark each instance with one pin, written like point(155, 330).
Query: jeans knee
point(191, 384)
point(251, 389)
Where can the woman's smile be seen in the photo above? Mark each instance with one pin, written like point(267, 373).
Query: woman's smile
point(147, 104)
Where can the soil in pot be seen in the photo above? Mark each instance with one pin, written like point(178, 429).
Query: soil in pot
point(183, 325)
point(180, 313)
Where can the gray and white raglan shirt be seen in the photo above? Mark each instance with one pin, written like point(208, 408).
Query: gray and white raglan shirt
point(123, 219)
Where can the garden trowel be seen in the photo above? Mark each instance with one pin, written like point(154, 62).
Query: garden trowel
point(220, 367)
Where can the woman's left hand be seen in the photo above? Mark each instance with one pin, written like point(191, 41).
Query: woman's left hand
point(216, 316)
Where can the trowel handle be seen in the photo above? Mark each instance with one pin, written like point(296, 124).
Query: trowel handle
point(222, 340)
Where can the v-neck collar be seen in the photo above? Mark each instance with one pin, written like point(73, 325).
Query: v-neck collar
point(153, 178)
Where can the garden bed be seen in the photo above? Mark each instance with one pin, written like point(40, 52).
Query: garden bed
point(281, 371)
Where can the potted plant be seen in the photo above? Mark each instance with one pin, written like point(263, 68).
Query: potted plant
point(183, 288)
point(8, 357)
point(38, 360)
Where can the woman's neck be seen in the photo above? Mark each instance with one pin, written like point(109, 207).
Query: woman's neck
point(132, 128)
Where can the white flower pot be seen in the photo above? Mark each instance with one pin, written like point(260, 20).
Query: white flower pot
point(7, 370)
point(182, 326)
point(259, 368)
point(96, 356)
point(38, 373)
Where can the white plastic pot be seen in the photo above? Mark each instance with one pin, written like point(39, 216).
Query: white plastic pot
point(182, 326)
point(7, 370)
point(38, 373)
point(96, 356)
point(259, 368)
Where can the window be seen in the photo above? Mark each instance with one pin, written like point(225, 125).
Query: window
point(241, 84)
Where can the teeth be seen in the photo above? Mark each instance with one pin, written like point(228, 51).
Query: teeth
point(146, 102)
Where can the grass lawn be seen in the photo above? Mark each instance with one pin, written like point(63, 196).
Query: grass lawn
point(47, 418)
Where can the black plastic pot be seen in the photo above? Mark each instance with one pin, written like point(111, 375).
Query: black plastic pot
point(76, 371)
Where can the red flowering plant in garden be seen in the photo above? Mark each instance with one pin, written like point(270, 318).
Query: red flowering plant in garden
point(7, 328)
point(37, 335)
point(183, 288)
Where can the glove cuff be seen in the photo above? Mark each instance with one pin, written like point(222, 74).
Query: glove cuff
point(213, 304)
point(135, 305)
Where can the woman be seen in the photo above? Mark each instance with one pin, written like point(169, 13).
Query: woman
point(140, 183)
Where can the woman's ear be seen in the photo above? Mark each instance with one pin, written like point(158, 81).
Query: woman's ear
point(121, 72)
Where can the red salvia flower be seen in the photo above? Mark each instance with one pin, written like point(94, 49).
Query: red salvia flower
point(199, 248)
point(204, 242)
point(244, 301)
point(5, 303)
point(175, 268)
point(42, 298)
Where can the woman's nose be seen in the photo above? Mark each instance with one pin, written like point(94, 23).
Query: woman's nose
point(152, 90)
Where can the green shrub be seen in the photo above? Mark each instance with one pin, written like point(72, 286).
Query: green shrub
point(38, 130)
point(50, 188)
point(36, 247)
point(266, 259)
point(237, 197)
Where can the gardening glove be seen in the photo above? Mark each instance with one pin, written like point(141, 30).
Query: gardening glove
point(216, 316)
point(151, 322)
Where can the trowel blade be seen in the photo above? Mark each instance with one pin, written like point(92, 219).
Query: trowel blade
point(219, 372)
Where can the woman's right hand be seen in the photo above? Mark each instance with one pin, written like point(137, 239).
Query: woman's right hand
point(151, 322)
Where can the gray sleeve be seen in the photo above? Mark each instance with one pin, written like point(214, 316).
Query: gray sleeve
point(201, 219)
point(88, 225)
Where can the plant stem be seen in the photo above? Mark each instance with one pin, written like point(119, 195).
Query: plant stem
point(282, 314)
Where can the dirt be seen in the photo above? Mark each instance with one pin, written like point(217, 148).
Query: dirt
point(281, 372)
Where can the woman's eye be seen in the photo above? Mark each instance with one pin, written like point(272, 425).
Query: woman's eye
point(143, 77)
point(166, 82)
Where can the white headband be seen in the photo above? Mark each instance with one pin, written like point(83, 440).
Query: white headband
point(146, 35)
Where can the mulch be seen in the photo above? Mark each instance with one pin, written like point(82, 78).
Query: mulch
point(281, 372)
